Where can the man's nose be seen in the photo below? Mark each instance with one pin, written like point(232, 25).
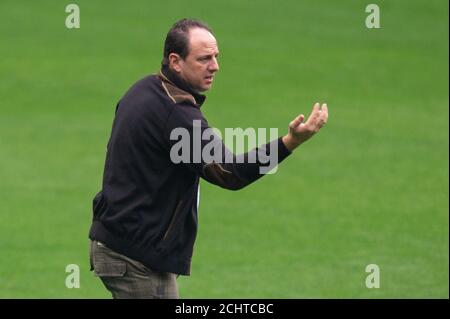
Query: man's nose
point(214, 66)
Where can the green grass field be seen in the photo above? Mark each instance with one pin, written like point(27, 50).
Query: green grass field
point(372, 187)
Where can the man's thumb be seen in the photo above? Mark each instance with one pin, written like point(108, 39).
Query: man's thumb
point(297, 121)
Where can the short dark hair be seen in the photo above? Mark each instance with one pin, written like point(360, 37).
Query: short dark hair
point(177, 39)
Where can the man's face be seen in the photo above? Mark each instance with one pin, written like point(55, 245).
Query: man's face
point(200, 65)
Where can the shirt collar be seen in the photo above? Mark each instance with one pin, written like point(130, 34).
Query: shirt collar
point(174, 79)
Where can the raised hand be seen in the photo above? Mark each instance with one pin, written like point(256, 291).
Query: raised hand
point(300, 131)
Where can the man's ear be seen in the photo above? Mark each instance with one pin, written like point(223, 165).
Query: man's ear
point(175, 61)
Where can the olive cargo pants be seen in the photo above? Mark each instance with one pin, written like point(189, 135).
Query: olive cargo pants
point(126, 278)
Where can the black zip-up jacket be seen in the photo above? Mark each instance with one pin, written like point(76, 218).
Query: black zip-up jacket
point(147, 208)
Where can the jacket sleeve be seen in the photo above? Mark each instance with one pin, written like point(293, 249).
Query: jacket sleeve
point(191, 142)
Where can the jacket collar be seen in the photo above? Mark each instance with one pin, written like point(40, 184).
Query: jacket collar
point(178, 90)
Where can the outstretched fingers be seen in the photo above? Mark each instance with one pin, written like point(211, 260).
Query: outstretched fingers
point(323, 115)
point(318, 117)
point(314, 116)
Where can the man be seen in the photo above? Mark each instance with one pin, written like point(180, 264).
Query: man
point(145, 216)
